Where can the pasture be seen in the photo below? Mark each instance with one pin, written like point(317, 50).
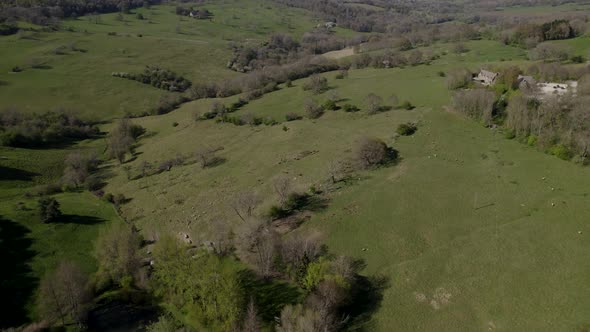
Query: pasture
point(72, 68)
point(469, 230)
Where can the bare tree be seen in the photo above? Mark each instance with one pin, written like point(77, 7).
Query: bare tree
point(245, 203)
point(252, 322)
point(282, 186)
point(337, 170)
point(117, 252)
point(477, 104)
point(266, 250)
point(206, 156)
point(373, 103)
point(312, 109)
point(64, 294)
point(78, 167)
point(370, 152)
point(458, 78)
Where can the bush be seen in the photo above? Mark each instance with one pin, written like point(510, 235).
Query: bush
point(296, 201)
point(292, 116)
point(330, 105)
point(371, 152)
point(16, 69)
point(313, 110)
point(276, 212)
point(350, 108)
point(407, 129)
point(317, 84)
point(458, 78)
point(49, 210)
point(561, 152)
point(407, 105)
point(532, 140)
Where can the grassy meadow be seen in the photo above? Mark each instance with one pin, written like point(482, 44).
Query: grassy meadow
point(471, 230)
point(75, 66)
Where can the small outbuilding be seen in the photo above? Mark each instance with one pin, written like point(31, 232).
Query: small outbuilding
point(486, 77)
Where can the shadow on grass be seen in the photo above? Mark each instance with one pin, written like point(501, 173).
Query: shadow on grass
point(16, 283)
point(270, 296)
point(9, 173)
point(366, 300)
point(80, 220)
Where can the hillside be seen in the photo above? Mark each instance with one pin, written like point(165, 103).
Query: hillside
point(291, 165)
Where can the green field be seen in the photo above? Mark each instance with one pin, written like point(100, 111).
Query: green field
point(472, 231)
point(82, 81)
point(465, 227)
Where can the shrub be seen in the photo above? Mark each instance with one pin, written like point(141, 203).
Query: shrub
point(350, 108)
point(532, 140)
point(16, 69)
point(458, 78)
point(313, 110)
point(276, 212)
point(317, 84)
point(561, 152)
point(49, 210)
point(407, 105)
point(296, 201)
point(407, 129)
point(510, 133)
point(330, 105)
point(292, 116)
point(371, 152)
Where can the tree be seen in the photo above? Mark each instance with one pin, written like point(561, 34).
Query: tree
point(317, 84)
point(415, 58)
point(371, 152)
point(49, 210)
point(251, 322)
point(374, 103)
point(206, 156)
point(64, 293)
point(245, 203)
point(477, 104)
point(312, 109)
point(117, 252)
point(78, 168)
point(203, 284)
point(282, 187)
point(519, 118)
point(458, 78)
point(122, 138)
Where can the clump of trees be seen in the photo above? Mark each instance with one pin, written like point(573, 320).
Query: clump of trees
point(530, 34)
point(200, 14)
point(37, 130)
point(316, 84)
point(157, 77)
point(477, 104)
point(122, 139)
point(78, 168)
point(117, 251)
point(458, 78)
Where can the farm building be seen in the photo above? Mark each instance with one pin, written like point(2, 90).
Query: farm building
point(486, 77)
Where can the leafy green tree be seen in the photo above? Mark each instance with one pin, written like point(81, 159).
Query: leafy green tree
point(201, 285)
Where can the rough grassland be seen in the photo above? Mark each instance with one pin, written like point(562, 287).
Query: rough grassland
point(81, 80)
point(472, 232)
